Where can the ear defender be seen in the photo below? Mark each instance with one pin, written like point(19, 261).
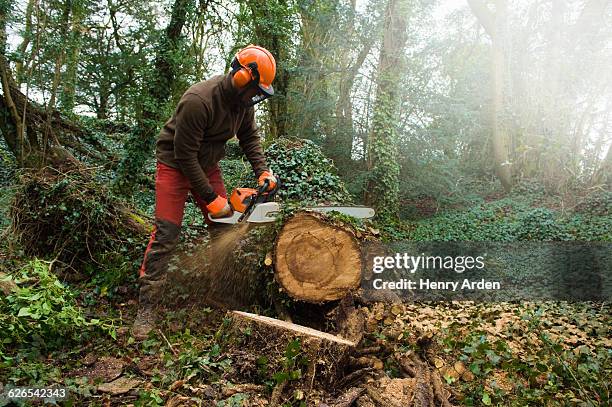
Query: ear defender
point(242, 75)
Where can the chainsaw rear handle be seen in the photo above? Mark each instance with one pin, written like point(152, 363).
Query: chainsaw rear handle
point(262, 195)
point(264, 187)
point(255, 199)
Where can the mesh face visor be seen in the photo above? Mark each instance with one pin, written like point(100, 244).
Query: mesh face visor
point(259, 91)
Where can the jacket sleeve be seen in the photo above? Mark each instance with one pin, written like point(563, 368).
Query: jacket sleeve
point(249, 142)
point(191, 120)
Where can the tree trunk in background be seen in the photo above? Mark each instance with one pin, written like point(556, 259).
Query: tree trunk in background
point(67, 96)
point(309, 85)
point(524, 157)
point(11, 124)
point(27, 36)
point(603, 175)
point(554, 157)
point(59, 59)
point(382, 190)
point(156, 92)
point(269, 19)
point(495, 24)
point(341, 145)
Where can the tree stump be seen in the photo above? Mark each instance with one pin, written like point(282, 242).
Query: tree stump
point(316, 261)
point(265, 348)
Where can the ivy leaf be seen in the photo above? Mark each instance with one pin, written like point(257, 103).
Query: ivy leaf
point(24, 312)
point(486, 399)
point(280, 377)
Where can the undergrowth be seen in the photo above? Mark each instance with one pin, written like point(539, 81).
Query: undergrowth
point(40, 314)
point(505, 220)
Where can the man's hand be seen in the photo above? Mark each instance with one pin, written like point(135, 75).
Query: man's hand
point(219, 208)
point(267, 175)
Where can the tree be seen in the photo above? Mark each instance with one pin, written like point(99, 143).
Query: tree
point(495, 25)
point(271, 24)
point(383, 183)
point(156, 91)
point(35, 135)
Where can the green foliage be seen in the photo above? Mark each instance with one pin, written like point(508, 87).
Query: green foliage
point(598, 204)
point(236, 400)
point(137, 149)
point(200, 359)
point(236, 173)
point(293, 363)
point(41, 314)
point(305, 173)
point(6, 196)
point(150, 398)
point(507, 220)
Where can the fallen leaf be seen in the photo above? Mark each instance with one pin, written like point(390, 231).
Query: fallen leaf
point(119, 386)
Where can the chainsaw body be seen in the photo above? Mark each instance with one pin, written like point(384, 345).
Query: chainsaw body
point(258, 206)
point(241, 198)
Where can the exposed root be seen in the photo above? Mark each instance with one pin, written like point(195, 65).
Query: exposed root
point(428, 388)
point(354, 377)
point(349, 397)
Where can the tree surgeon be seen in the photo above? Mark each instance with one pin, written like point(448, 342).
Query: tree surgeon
point(188, 151)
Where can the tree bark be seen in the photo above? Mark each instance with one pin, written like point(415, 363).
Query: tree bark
point(382, 189)
point(12, 129)
point(69, 82)
point(495, 24)
point(340, 144)
point(20, 67)
point(269, 19)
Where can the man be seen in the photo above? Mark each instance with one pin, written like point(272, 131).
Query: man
point(189, 147)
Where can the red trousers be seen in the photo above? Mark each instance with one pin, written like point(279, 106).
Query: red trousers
point(171, 191)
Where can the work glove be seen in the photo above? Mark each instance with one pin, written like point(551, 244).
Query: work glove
point(219, 208)
point(267, 175)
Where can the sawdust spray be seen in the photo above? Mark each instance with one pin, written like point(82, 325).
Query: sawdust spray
point(212, 268)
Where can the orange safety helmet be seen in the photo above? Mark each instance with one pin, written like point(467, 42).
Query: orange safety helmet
point(254, 67)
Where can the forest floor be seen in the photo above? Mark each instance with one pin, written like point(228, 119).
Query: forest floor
point(546, 353)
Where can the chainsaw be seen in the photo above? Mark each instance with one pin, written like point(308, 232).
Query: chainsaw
point(258, 206)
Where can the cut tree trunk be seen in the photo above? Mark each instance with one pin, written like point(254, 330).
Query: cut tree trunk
point(279, 347)
point(316, 261)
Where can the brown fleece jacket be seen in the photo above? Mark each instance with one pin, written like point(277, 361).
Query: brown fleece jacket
point(207, 116)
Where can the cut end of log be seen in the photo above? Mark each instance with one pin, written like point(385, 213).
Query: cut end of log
point(316, 261)
point(298, 330)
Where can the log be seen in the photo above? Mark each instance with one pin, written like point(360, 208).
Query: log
point(263, 347)
point(316, 261)
point(311, 259)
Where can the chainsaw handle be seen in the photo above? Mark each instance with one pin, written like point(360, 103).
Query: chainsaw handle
point(264, 187)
